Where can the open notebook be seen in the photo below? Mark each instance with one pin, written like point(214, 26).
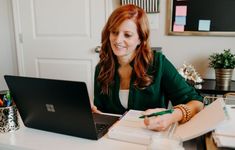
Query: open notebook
point(132, 129)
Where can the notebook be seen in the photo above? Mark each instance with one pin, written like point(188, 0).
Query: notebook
point(58, 106)
point(131, 128)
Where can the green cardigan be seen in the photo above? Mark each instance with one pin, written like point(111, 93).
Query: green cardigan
point(167, 85)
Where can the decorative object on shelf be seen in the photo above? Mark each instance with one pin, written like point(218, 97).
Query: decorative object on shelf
point(190, 74)
point(224, 64)
point(150, 6)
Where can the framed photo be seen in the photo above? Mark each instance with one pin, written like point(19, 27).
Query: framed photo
point(150, 6)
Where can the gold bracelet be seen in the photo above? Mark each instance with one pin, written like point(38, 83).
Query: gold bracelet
point(183, 113)
point(186, 112)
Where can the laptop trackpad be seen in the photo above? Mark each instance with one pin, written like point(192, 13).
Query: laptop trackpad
point(105, 119)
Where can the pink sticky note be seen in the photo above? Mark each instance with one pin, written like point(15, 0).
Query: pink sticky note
point(181, 10)
point(178, 28)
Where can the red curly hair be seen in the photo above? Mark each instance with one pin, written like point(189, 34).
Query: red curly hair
point(143, 57)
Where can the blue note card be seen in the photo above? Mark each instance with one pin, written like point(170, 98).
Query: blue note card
point(204, 25)
point(180, 20)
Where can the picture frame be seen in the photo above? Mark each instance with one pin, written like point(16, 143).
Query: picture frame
point(150, 6)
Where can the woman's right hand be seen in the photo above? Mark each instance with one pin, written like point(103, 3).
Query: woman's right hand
point(158, 123)
point(95, 110)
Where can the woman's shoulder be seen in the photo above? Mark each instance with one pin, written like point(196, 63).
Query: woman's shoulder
point(160, 62)
point(97, 69)
point(158, 57)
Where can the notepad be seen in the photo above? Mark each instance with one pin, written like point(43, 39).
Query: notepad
point(204, 25)
point(181, 10)
point(178, 28)
point(132, 129)
point(180, 20)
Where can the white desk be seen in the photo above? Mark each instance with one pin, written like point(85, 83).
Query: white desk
point(32, 139)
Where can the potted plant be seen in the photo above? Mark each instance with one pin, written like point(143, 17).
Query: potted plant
point(223, 63)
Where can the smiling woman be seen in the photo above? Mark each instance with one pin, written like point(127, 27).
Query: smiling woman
point(123, 43)
point(126, 34)
point(130, 75)
point(125, 40)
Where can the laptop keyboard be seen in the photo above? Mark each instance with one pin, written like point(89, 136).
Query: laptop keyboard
point(100, 127)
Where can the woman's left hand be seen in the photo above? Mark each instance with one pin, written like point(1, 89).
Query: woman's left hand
point(95, 110)
point(158, 123)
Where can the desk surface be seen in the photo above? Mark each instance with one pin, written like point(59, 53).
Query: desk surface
point(32, 139)
point(209, 87)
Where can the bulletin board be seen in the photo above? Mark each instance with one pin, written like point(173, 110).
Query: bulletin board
point(201, 17)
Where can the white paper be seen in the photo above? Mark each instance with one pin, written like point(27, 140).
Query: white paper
point(204, 121)
point(227, 128)
point(224, 141)
point(224, 134)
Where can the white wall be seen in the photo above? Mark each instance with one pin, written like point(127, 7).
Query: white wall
point(7, 46)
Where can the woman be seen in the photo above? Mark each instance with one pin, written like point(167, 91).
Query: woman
point(131, 76)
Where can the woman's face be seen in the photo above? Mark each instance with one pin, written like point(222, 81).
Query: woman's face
point(125, 39)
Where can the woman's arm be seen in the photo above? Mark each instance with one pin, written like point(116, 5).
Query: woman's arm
point(194, 107)
point(185, 99)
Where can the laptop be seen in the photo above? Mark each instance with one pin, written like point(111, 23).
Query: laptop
point(58, 106)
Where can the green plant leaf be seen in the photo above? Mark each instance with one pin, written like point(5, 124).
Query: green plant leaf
point(224, 60)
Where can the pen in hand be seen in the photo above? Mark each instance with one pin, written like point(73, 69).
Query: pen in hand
point(168, 111)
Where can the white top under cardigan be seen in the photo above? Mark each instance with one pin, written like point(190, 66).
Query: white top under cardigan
point(123, 96)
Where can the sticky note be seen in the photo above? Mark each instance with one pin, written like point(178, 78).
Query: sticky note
point(180, 20)
point(204, 25)
point(181, 10)
point(178, 28)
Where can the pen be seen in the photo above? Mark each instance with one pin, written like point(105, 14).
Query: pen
point(7, 100)
point(8, 95)
point(168, 111)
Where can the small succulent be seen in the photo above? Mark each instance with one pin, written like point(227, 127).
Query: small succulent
point(224, 60)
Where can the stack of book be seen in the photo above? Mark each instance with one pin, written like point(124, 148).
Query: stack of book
point(224, 134)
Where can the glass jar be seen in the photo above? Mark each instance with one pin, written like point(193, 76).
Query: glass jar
point(163, 142)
